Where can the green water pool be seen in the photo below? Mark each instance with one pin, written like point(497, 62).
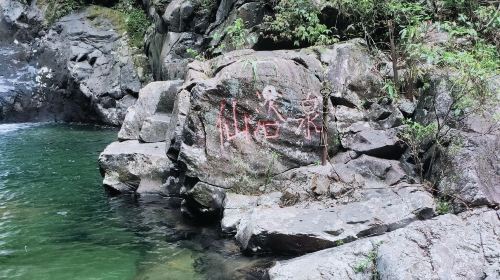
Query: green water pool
point(56, 221)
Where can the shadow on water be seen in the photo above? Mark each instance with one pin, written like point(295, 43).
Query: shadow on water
point(56, 221)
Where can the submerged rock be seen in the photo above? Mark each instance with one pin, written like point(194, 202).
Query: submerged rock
point(206, 200)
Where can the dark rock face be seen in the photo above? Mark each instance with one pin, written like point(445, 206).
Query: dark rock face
point(97, 60)
point(469, 173)
point(181, 25)
point(465, 170)
point(22, 17)
point(80, 70)
point(206, 200)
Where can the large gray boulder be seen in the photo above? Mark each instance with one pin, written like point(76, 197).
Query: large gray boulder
point(298, 230)
point(141, 121)
point(259, 115)
point(469, 173)
point(238, 206)
point(447, 247)
point(130, 166)
point(354, 74)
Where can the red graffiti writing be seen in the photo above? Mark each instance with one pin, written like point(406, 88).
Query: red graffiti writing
point(232, 125)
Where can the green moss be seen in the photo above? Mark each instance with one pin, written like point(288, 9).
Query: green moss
point(136, 23)
point(56, 9)
point(116, 17)
point(126, 18)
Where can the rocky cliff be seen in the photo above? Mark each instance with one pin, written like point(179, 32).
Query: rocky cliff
point(81, 68)
point(242, 137)
point(309, 144)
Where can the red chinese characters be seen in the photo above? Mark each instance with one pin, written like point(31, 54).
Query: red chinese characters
point(232, 125)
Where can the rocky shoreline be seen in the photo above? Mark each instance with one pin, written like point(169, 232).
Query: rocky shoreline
point(241, 138)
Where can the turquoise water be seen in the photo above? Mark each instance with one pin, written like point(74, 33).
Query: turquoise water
point(56, 222)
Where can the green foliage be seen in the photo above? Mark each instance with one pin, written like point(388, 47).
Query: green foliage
point(126, 16)
point(194, 54)
point(237, 37)
point(443, 207)
point(56, 9)
point(452, 8)
point(418, 133)
point(205, 6)
point(417, 136)
point(137, 24)
point(237, 34)
point(297, 21)
point(369, 263)
point(390, 89)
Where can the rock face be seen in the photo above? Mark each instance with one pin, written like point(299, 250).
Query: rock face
point(81, 69)
point(472, 173)
point(460, 247)
point(240, 141)
point(195, 25)
point(140, 164)
point(259, 115)
point(25, 18)
point(131, 166)
point(467, 170)
point(98, 62)
point(147, 118)
point(359, 203)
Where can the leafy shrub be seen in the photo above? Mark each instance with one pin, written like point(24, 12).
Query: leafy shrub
point(390, 89)
point(205, 6)
point(443, 207)
point(56, 9)
point(237, 34)
point(137, 24)
point(297, 21)
point(417, 136)
point(126, 16)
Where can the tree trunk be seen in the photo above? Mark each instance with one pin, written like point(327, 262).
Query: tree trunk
point(394, 54)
